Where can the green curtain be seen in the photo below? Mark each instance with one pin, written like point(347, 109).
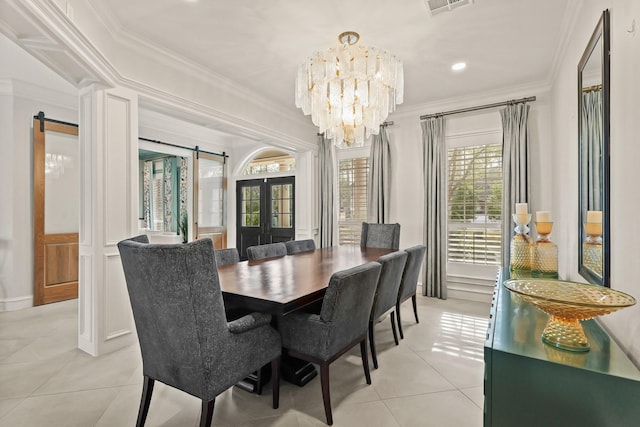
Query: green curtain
point(592, 149)
point(379, 188)
point(435, 207)
point(325, 171)
point(516, 169)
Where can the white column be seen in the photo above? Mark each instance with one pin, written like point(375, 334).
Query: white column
point(108, 134)
point(306, 199)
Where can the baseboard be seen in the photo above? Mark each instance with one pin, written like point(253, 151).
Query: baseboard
point(12, 304)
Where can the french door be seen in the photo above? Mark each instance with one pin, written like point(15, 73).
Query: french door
point(56, 210)
point(265, 212)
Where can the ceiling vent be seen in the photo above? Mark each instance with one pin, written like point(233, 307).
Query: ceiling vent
point(438, 6)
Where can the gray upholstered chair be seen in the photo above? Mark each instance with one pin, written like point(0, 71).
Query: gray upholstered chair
point(386, 295)
point(380, 236)
point(184, 336)
point(226, 256)
point(410, 281)
point(341, 324)
point(270, 250)
point(297, 246)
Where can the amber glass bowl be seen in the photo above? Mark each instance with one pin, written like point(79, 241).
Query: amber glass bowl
point(568, 303)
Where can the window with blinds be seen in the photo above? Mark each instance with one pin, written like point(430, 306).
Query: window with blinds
point(352, 176)
point(475, 204)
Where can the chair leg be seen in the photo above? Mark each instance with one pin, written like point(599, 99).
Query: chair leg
point(393, 327)
point(258, 375)
point(145, 400)
point(365, 360)
point(275, 381)
point(372, 343)
point(399, 321)
point(326, 396)
point(207, 412)
point(415, 307)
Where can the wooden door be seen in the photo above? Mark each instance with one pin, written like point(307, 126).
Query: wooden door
point(265, 212)
point(56, 177)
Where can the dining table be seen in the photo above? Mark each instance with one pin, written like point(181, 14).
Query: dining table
point(282, 285)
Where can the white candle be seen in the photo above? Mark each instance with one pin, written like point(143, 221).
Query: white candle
point(543, 216)
point(521, 208)
point(594, 216)
point(522, 218)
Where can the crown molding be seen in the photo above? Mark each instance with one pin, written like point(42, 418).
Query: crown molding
point(183, 64)
point(569, 22)
point(51, 22)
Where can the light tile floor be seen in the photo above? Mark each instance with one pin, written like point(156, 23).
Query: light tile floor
point(433, 378)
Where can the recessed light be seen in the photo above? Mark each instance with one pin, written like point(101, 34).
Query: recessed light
point(458, 66)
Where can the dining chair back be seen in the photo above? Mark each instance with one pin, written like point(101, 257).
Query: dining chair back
point(297, 246)
point(386, 295)
point(341, 324)
point(409, 282)
point(380, 236)
point(226, 256)
point(270, 250)
point(185, 339)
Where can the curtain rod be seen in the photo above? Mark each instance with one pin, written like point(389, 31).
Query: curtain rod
point(480, 107)
point(382, 124)
point(196, 148)
point(592, 88)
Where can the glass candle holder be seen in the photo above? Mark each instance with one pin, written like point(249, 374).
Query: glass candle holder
point(544, 253)
point(520, 250)
point(592, 247)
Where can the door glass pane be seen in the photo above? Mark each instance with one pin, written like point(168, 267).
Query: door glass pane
point(210, 192)
point(251, 206)
point(61, 183)
point(281, 205)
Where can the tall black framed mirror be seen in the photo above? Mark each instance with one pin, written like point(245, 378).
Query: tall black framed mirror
point(593, 142)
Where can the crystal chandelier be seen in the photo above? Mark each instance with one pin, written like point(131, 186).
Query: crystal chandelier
point(349, 90)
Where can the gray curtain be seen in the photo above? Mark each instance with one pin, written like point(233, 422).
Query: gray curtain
point(592, 149)
point(516, 182)
point(379, 188)
point(325, 169)
point(435, 207)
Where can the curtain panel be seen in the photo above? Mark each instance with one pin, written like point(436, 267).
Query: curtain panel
point(379, 188)
point(592, 159)
point(516, 169)
point(435, 207)
point(326, 191)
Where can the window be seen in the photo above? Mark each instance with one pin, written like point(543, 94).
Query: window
point(475, 204)
point(271, 162)
point(352, 175)
point(282, 206)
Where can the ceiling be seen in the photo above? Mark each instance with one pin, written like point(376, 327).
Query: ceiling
point(259, 44)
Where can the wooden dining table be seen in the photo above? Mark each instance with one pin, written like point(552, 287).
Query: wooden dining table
point(281, 285)
point(284, 284)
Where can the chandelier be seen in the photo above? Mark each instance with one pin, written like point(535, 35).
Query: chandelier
point(349, 90)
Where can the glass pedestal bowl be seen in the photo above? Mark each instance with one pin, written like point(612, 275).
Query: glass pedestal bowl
point(568, 303)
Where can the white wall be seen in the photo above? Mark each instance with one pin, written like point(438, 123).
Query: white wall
point(624, 155)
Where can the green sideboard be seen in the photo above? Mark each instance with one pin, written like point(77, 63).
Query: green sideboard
point(528, 383)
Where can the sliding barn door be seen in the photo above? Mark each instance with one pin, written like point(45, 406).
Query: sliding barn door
point(56, 176)
point(210, 198)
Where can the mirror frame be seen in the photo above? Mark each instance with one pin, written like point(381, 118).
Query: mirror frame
point(601, 32)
